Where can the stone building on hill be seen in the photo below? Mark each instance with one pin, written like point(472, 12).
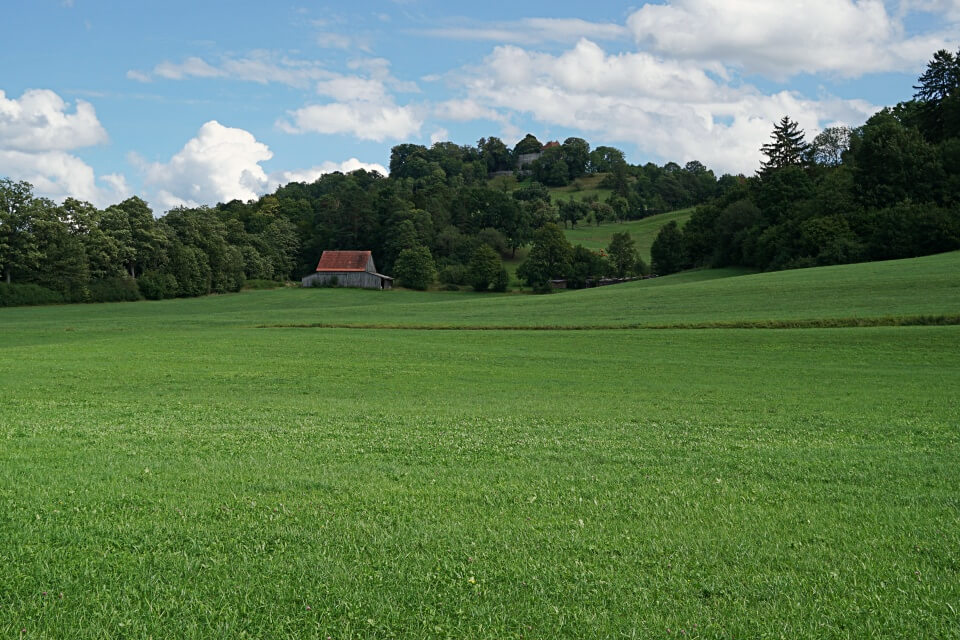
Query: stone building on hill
point(347, 269)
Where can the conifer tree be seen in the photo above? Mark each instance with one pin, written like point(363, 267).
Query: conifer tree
point(788, 147)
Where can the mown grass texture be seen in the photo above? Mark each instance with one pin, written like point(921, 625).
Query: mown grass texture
point(170, 470)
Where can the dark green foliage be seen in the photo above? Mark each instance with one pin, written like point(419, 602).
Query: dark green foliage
point(892, 162)
point(188, 265)
point(157, 285)
point(889, 189)
point(502, 281)
point(456, 274)
point(551, 168)
point(495, 154)
point(529, 144)
point(532, 191)
point(659, 189)
point(117, 289)
point(623, 255)
point(15, 295)
point(606, 159)
point(828, 147)
point(415, 268)
point(586, 266)
point(484, 268)
point(576, 155)
point(938, 97)
point(908, 230)
point(493, 239)
point(19, 251)
point(668, 252)
point(573, 210)
point(786, 149)
point(549, 257)
point(734, 228)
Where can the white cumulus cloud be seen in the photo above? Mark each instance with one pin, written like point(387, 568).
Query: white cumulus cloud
point(366, 120)
point(463, 110)
point(223, 163)
point(218, 165)
point(40, 121)
point(58, 175)
point(845, 37)
point(37, 130)
point(673, 109)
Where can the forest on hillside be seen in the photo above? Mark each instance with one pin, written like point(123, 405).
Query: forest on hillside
point(888, 189)
point(437, 208)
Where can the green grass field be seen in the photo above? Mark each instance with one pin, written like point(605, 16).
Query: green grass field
point(643, 232)
point(169, 469)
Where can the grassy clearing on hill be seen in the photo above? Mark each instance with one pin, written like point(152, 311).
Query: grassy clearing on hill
point(644, 231)
point(170, 470)
point(579, 189)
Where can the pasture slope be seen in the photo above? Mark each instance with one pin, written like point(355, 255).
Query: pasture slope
point(171, 469)
point(643, 231)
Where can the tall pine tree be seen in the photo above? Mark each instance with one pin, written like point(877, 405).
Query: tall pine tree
point(788, 147)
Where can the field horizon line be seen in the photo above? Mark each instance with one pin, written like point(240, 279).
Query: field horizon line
point(819, 323)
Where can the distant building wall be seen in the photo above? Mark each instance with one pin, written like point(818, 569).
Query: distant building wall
point(358, 279)
point(527, 158)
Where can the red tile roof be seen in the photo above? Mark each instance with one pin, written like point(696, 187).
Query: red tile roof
point(343, 261)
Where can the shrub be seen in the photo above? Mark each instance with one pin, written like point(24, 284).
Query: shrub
point(114, 290)
point(414, 268)
point(15, 295)
point(502, 281)
point(484, 268)
point(260, 284)
point(156, 285)
point(453, 274)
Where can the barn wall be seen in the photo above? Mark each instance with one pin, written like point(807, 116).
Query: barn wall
point(360, 279)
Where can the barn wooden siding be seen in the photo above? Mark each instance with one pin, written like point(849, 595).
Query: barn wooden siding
point(361, 279)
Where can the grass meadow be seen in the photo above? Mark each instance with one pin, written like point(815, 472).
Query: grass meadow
point(643, 231)
point(178, 469)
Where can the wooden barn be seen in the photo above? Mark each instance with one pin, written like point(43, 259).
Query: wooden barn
point(347, 269)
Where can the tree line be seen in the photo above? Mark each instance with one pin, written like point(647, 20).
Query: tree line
point(888, 189)
point(437, 216)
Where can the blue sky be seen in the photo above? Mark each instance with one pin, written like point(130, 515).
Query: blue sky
point(197, 102)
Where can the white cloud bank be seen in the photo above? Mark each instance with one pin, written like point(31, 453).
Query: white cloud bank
point(363, 119)
point(39, 121)
point(223, 163)
point(674, 109)
point(363, 104)
point(786, 37)
point(531, 31)
point(37, 130)
point(218, 165)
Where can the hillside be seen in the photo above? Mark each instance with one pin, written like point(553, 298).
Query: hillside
point(579, 189)
point(917, 286)
point(643, 232)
